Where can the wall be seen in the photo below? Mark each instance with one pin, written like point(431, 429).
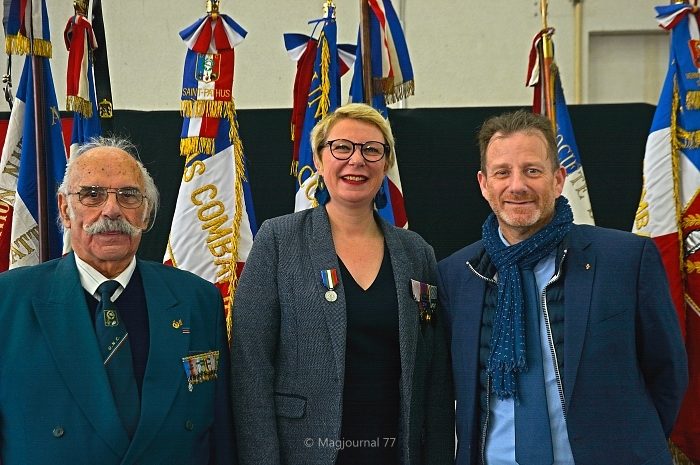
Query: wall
point(464, 53)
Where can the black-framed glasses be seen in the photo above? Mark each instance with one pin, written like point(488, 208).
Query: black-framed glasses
point(371, 151)
point(94, 196)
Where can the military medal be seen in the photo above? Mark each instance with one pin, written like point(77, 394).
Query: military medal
point(330, 281)
point(426, 297)
point(200, 368)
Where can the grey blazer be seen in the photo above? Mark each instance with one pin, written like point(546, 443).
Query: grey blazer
point(288, 354)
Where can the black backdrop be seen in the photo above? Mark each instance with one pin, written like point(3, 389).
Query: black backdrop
point(438, 160)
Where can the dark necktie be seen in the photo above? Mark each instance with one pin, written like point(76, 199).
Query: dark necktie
point(116, 354)
point(533, 435)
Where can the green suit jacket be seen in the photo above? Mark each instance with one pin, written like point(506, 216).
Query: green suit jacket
point(56, 405)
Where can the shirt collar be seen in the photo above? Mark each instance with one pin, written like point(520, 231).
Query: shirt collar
point(91, 279)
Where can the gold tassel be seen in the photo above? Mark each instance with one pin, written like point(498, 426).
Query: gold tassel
point(79, 105)
point(324, 102)
point(679, 458)
point(19, 45)
point(692, 100)
point(294, 169)
point(196, 145)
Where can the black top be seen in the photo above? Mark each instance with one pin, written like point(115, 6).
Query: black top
point(372, 370)
point(131, 305)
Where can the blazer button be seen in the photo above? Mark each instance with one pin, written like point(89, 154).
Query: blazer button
point(57, 432)
point(189, 426)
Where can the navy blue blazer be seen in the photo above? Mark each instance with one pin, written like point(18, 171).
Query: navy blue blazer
point(56, 405)
point(625, 365)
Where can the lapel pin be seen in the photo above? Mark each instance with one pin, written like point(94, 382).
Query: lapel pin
point(177, 324)
point(588, 266)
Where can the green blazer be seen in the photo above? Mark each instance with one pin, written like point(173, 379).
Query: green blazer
point(56, 405)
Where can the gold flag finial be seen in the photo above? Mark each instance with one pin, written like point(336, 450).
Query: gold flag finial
point(80, 7)
point(543, 13)
point(328, 5)
point(213, 8)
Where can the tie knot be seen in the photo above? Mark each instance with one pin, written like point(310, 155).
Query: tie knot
point(106, 289)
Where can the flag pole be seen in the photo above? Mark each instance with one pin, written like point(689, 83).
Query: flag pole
point(547, 60)
point(40, 134)
point(578, 47)
point(366, 51)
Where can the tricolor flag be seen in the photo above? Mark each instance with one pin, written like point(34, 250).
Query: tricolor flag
point(320, 64)
point(80, 80)
point(214, 223)
point(392, 80)
point(669, 209)
point(29, 233)
point(543, 75)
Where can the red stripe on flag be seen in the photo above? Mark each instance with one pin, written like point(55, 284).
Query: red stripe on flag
point(397, 205)
point(687, 429)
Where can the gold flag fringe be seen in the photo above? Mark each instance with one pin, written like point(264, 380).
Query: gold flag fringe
point(692, 100)
point(196, 145)
point(20, 45)
point(679, 458)
point(688, 139)
point(675, 170)
point(208, 108)
point(236, 226)
point(79, 105)
point(393, 92)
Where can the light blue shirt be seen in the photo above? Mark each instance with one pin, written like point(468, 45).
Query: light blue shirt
point(500, 438)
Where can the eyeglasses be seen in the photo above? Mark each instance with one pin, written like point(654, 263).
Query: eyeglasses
point(371, 151)
point(94, 196)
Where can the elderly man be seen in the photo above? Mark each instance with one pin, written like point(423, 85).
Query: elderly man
point(565, 344)
point(105, 358)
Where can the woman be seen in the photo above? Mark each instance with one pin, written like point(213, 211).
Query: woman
point(334, 361)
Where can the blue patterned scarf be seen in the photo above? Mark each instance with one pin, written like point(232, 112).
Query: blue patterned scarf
point(507, 357)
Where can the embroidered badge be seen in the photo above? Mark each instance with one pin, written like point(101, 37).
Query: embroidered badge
point(426, 297)
point(207, 67)
point(201, 367)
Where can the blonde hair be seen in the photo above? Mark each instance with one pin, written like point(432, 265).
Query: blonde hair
point(357, 112)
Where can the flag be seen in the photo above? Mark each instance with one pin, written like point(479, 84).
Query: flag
point(320, 64)
point(214, 223)
point(80, 80)
point(392, 80)
point(543, 75)
point(29, 233)
point(669, 208)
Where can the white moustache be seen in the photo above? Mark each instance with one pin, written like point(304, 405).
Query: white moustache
point(107, 225)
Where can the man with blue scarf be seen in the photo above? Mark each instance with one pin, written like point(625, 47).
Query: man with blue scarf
point(565, 343)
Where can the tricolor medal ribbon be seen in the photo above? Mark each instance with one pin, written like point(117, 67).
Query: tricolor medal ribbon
point(200, 368)
point(329, 278)
point(425, 296)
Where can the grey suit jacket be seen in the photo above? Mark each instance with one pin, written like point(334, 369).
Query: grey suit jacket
point(288, 354)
